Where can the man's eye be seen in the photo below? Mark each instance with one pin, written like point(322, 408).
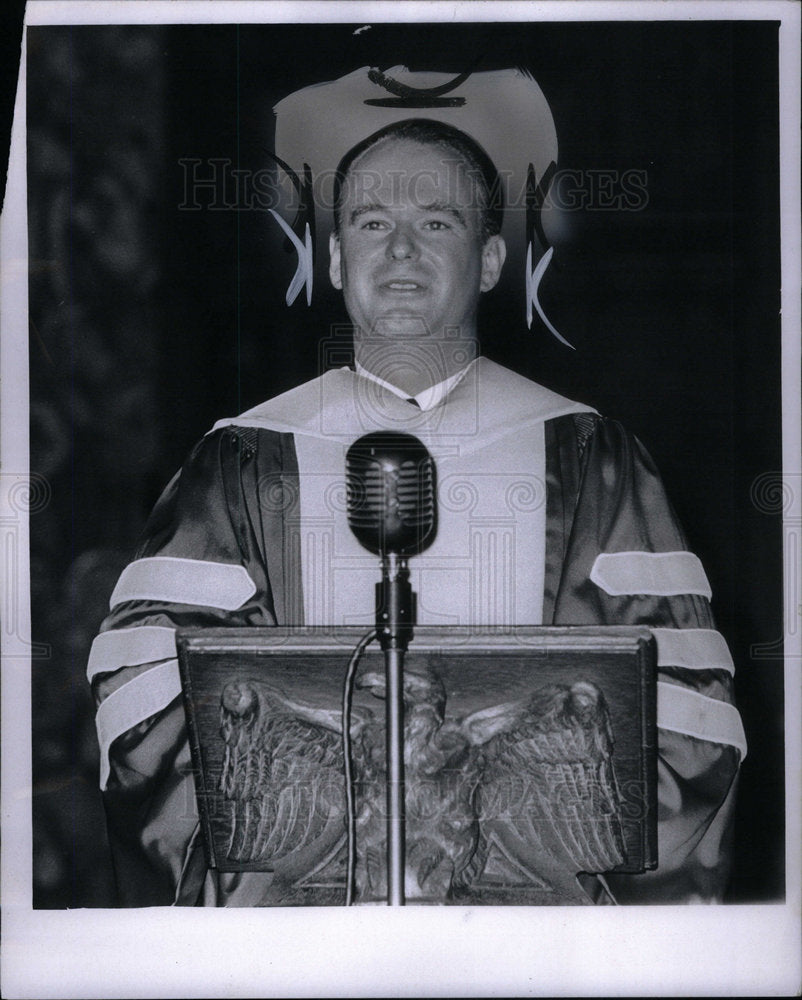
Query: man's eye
point(373, 224)
point(436, 224)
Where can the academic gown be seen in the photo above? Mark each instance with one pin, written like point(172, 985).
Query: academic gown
point(549, 514)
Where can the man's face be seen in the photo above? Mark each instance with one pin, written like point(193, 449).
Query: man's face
point(410, 257)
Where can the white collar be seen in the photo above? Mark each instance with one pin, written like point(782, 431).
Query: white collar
point(427, 399)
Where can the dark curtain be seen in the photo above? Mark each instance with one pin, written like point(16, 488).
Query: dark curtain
point(95, 140)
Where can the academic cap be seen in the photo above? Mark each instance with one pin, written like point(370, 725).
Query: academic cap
point(503, 110)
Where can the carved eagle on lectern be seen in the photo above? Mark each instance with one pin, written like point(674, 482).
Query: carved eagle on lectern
point(507, 803)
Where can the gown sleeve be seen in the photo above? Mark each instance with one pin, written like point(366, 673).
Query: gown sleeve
point(202, 561)
point(617, 556)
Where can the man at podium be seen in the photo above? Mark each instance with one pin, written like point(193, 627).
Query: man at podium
point(548, 512)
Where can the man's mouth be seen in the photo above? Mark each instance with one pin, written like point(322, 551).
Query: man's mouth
point(402, 285)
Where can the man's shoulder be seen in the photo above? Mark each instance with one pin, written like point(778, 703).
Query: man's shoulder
point(521, 395)
point(294, 411)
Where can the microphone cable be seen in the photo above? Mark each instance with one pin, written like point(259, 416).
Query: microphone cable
point(350, 806)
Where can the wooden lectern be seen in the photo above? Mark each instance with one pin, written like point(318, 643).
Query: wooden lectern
point(530, 757)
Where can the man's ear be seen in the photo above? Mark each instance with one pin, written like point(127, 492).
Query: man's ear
point(494, 253)
point(335, 274)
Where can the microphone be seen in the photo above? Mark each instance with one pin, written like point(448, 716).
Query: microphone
point(390, 494)
point(389, 480)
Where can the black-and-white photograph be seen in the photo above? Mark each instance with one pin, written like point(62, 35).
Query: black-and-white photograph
point(408, 496)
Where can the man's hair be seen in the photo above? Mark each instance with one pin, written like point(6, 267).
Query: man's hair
point(481, 168)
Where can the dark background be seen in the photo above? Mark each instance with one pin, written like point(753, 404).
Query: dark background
point(148, 323)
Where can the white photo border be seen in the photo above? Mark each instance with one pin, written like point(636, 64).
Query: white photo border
point(161, 952)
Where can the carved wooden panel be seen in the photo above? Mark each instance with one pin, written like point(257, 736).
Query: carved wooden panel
point(529, 757)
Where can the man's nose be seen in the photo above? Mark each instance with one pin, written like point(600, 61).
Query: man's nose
point(402, 244)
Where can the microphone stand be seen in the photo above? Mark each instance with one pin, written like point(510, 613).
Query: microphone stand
point(395, 615)
point(391, 510)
